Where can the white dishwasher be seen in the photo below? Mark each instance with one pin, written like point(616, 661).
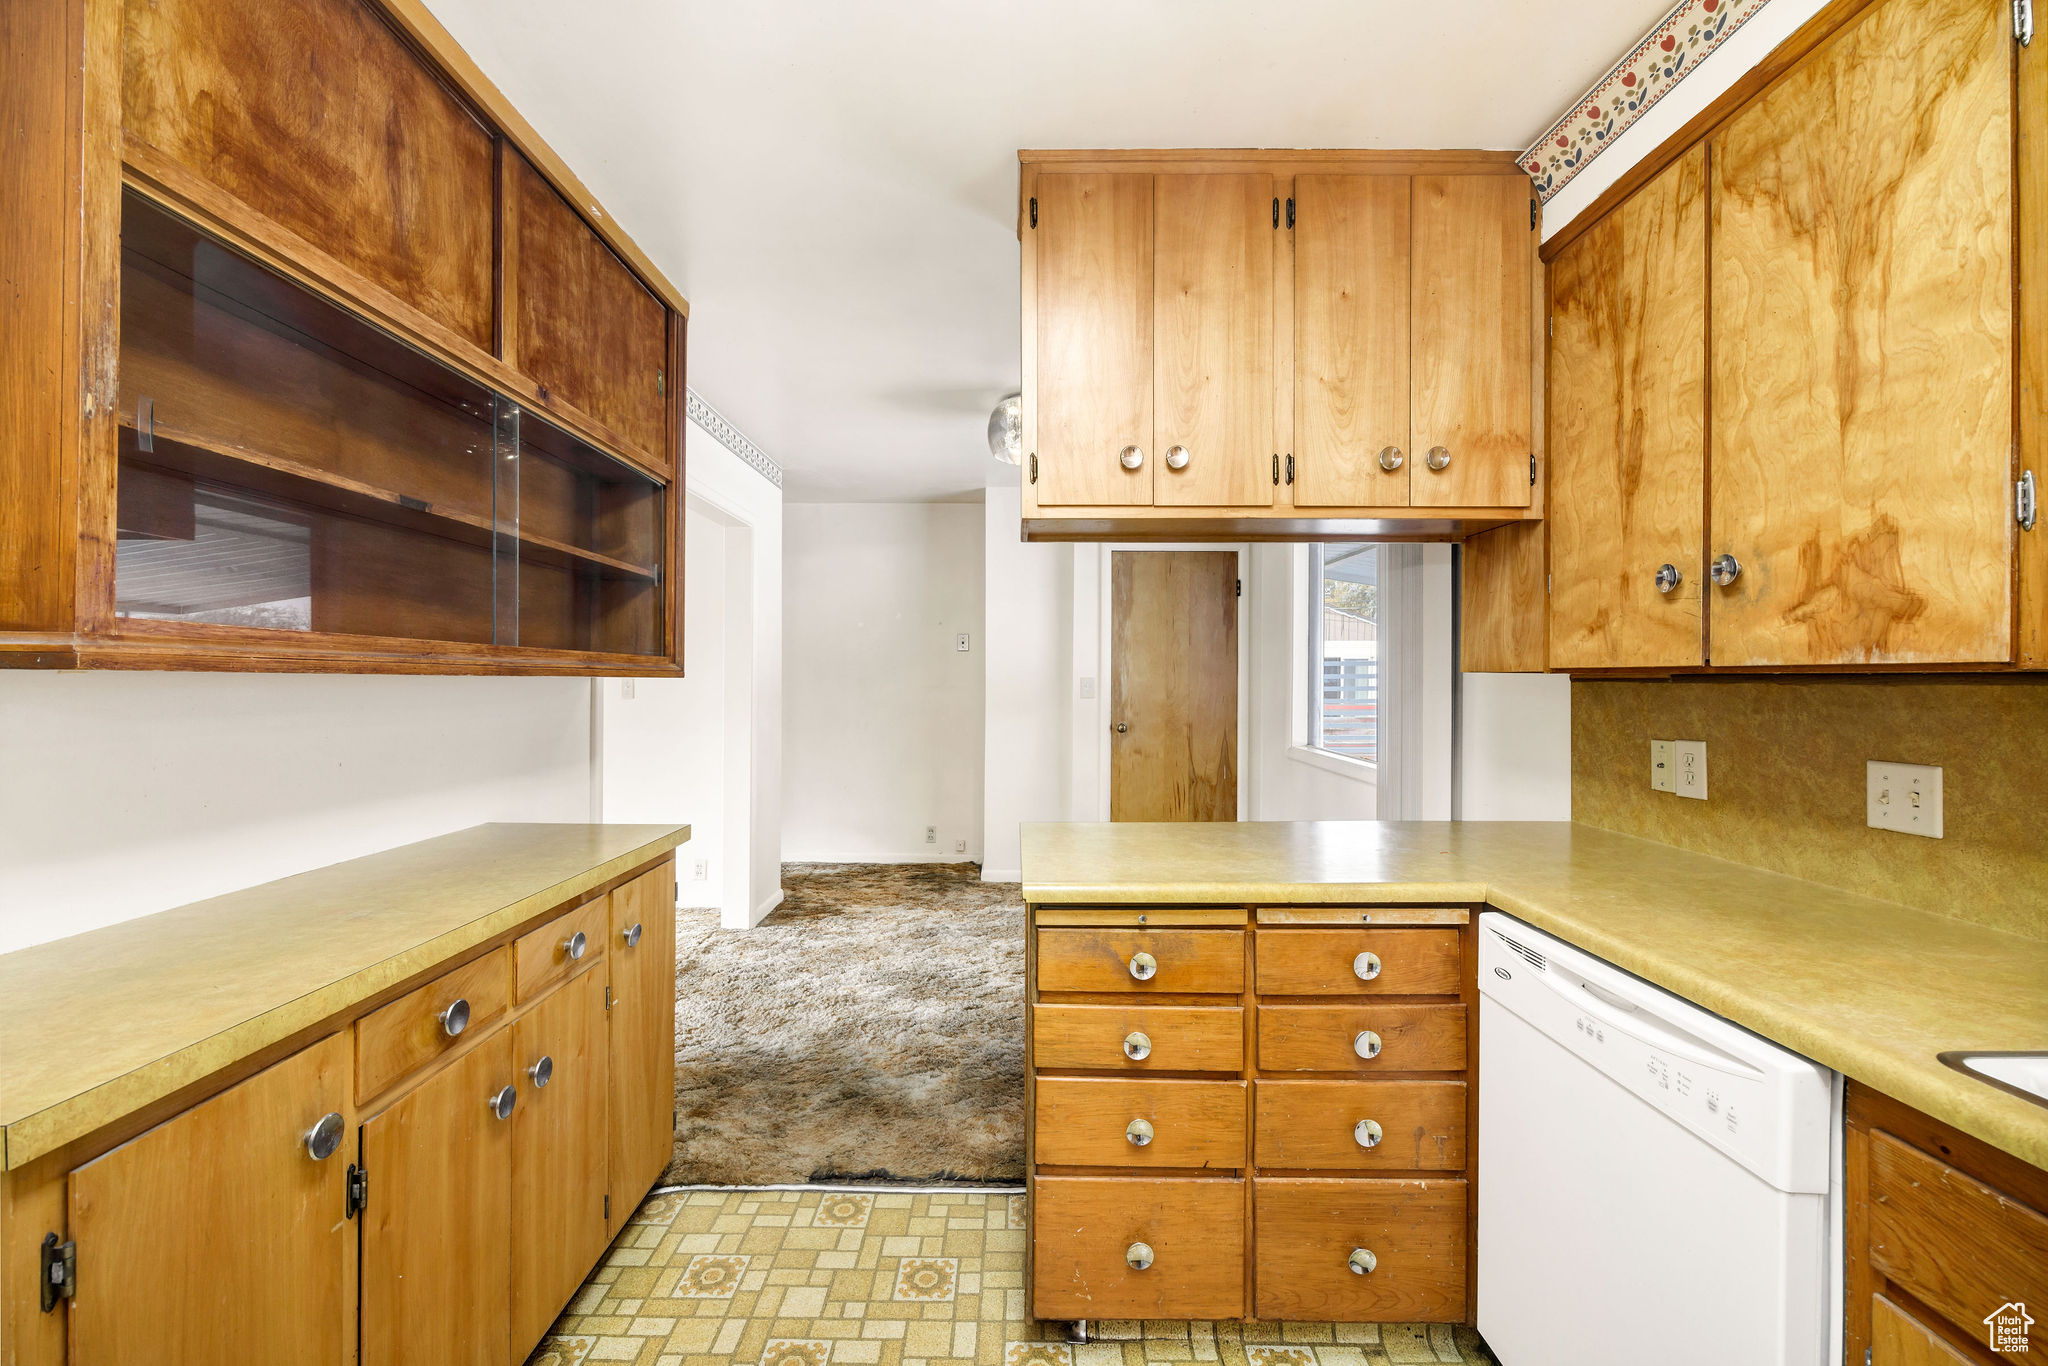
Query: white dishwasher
point(1655, 1183)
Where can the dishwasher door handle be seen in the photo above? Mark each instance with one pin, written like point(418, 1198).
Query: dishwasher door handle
point(1626, 1015)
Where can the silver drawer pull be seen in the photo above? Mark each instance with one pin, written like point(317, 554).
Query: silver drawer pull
point(1391, 458)
point(632, 935)
point(1366, 966)
point(502, 1102)
point(543, 1071)
point(1139, 1132)
point(1367, 1132)
point(1130, 457)
point(575, 944)
point(1437, 458)
point(1138, 1256)
point(1137, 1046)
point(1176, 457)
point(324, 1138)
point(455, 1018)
point(1144, 966)
point(1366, 1044)
point(1362, 1261)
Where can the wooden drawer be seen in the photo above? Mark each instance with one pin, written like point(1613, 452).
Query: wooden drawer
point(1308, 1227)
point(1324, 1038)
point(1960, 1246)
point(1087, 1122)
point(541, 958)
point(1082, 1230)
point(1315, 1125)
point(410, 1032)
point(1100, 960)
point(1337, 962)
point(1180, 1038)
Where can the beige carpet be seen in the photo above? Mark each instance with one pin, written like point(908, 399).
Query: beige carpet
point(872, 1028)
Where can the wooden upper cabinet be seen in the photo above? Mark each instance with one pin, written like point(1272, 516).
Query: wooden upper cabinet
point(1472, 262)
point(317, 116)
point(1351, 317)
point(1862, 322)
point(1094, 338)
point(579, 323)
point(1212, 335)
point(1627, 409)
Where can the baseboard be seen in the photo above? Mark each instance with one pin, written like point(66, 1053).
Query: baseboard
point(1002, 875)
point(872, 856)
point(767, 907)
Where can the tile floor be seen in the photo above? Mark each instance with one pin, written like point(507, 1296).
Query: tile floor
point(894, 1278)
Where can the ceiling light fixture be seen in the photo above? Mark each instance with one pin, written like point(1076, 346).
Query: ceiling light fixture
point(1006, 430)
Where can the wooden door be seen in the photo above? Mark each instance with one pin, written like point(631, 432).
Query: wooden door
point(1173, 685)
point(1899, 1339)
point(1473, 249)
point(1862, 315)
point(1094, 343)
point(1351, 317)
point(1212, 340)
point(1628, 407)
point(643, 1036)
point(217, 1236)
point(437, 1234)
point(560, 1222)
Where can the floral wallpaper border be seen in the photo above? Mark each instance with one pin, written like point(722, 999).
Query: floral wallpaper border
point(1665, 56)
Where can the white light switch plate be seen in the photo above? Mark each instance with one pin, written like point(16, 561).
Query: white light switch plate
point(1690, 778)
point(1662, 767)
point(1903, 797)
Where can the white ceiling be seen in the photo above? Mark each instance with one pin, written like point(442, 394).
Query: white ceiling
point(832, 183)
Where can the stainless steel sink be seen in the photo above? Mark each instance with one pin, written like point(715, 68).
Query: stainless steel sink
point(2023, 1074)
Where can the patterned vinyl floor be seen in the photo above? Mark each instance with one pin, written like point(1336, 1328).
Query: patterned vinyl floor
point(892, 1278)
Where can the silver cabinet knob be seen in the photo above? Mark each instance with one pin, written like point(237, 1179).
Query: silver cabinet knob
point(1668, 577)
point(1144, 966)
point(1137, 1046)
point(1366, 966)
point(1130, 457)
point(1391, 458)
point(1367, 1132)
point(575, 944)
point(1726, 569)
point(631, 935)
point(1366, 1044)
point(1123, 727)
point(543, 1071)
point(324, 1138)
point(1138, 1256)
point(1438, 458)
point(1176, 457)
point(1139, 1132)
point(455, 1018)
point(502, 1101)
point(1362, 1261)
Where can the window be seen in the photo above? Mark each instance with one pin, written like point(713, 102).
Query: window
point(1343, 650)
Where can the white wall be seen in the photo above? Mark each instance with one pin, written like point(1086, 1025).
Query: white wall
point(1028, 686)
point(882, 716)
point(1517, 748)
point(1289, 782)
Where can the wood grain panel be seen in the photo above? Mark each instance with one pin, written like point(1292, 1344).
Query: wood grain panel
point(1473, 254)
point(2031, 121)
point(1306, 1228)
point(1084, 1122)
point(1862, 387)
point(643, 1052)
point(1324, 962)
point(1173, 685)
point(560, 1224)
point(1094, 343)
point(406, 1034)
point(1314, 1124)
point(1083, 1227)
point(1504, 624)
point(1212, 339)
point(315, 115)
point(1099, 960)
point(1628, 408)
point(1351, 319)
point(1899, 1339)
point(540, 958)
point(1320, 1038)
point(216, 1236)
point(1184, 1038)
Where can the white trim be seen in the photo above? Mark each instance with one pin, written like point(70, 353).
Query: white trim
point(856, 1190)
point(870, 856)
point(1357, 770)
point(1002, 875)
point(766, 908)
point(730, 437)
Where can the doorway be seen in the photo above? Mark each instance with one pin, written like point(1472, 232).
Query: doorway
point(1173, 685)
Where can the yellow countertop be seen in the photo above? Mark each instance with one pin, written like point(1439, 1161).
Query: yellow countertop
point(1870, 988)
point(99, 1025)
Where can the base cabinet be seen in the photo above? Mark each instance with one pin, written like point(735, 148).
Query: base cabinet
point(641, 952)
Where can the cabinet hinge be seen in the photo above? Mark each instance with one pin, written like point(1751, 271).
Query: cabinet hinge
point(1866, 1356)
point(661, 383)
point(2023, 21)
point(357, 1196)
point(1276, 468)
point(60, 1271)
point(1534, 207)
point(1034, 211)
point(1276, 210)
point(1290, 211)
point(1532, 469)
point(1034, 467)
point(1240, 588)
point(607, 1000)
point(1290, 467)
point(2024, 501)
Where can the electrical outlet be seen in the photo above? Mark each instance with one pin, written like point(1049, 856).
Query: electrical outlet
point(1690, 775)
point(703, 869)
point(1903, 797)
point(959, 846)
point(931, 834)
point(1661, 767)
point(1087, 690)
point(626, 688)
point(960, 642)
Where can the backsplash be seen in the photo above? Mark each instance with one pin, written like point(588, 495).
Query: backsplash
point(1785, 781)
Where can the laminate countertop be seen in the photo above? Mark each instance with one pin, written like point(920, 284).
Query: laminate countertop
point(102, 1024)
point(1870, 988)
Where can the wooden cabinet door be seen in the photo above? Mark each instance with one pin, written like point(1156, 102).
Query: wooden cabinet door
point(217, 1236)
point(1862, 316)
point(1094, 338)
point(560, 1224)
point(1472, 253)
point(643, 1036)
point(1899, 1339)
point(437, 1233)
point(1351, 317)
point(1212, 340)
point(1628, 407)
